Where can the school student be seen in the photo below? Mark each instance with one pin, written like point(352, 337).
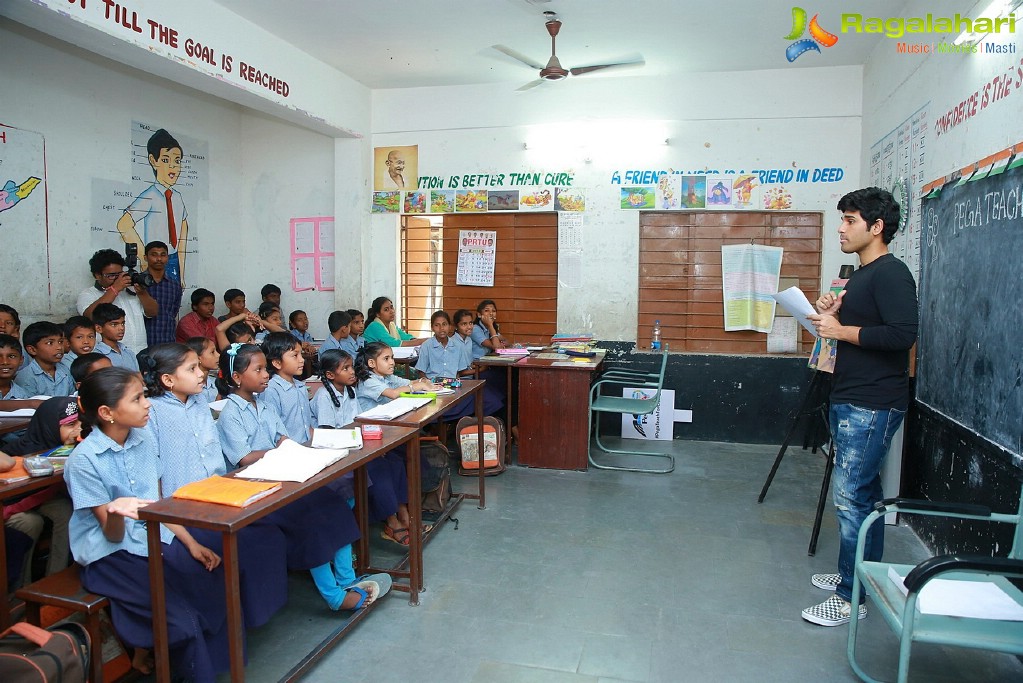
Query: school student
point(270, 320)
point(380, 325)
point(440, 356)
point(335, 406)
point(486, 333)
point(111, 475)
point(374, 367)
point(287, 394)
point(356, 330)
point(463, 321)
point(79, 338)
point(209, 363)
point(200, 322)
point(10, 321)
point(109, 320)
point(339, 326)
point(239, 328)
point(320, 527)
point(298, 323)
point(44, 375)
point(234, 299)
point(12, 396)
point(189, 449)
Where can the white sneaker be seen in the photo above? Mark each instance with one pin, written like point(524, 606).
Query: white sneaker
point(832, 612)
point(826, 582)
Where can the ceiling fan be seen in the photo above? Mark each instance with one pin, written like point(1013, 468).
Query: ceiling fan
point(553, 71)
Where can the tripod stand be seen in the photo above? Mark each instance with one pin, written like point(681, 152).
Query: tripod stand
point(815, 406)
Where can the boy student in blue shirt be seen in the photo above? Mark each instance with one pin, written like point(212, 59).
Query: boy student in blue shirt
point(355, 329)
point(109, 320)
point(338, 324)
point(80, 334)
point(12, 396)
point(44, 375)
point(440, 356)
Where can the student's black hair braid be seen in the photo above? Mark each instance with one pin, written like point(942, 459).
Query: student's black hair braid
point(329, 362)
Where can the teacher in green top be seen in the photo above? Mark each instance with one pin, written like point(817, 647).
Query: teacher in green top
point(380, 325)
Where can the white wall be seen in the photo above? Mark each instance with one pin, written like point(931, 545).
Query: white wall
point(799, 118)
point(262, 170)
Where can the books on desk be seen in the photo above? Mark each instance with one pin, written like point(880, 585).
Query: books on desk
point(519, 352)
point(337, 438)
point(567, 337)
point(291, 461)
point(404, 352)
point(395, 408)
point(227, 491)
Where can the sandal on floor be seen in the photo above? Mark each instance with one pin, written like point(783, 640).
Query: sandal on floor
point(369, 588)
point(399, 536)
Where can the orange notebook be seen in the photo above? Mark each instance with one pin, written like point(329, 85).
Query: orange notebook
point(16, 473)
point(227, 491)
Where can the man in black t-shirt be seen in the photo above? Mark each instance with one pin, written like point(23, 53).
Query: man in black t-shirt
point(874, 320)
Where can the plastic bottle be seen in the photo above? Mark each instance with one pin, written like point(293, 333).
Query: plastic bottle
point(655, 338)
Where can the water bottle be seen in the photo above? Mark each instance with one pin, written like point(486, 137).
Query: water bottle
point(655, 338)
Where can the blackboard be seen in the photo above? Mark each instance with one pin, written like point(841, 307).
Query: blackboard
point(970, 363)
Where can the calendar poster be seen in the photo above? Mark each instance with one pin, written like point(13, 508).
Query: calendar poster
point(477, 250)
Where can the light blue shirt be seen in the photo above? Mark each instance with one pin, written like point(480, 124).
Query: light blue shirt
point(15, 392)
point(35, 382)
point(437, 360)
point(479, 335)
point(302, 336)
point(328, 344)
point(187, 440)
point(125, 359)
point(371, 392)
point(210, 389)
point(244, 428)
point(465, 344)
point(330, 415)
point(291, 401)
point(352, 344)
point(68, 359)
point(101, 470)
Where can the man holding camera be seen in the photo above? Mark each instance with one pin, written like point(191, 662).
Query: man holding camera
point(114, 286)
point(167, 291)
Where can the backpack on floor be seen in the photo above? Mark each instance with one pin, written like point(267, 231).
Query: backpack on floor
point(30, 654)
point(435, 479)
point(493, 446)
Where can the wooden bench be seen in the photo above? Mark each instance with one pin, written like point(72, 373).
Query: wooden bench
point(64, 589)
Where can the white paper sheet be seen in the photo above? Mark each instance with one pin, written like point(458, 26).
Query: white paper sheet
point(395, 408)
point(337, 438)
point(291, 461)
point(974, 599)
point(401, 352)
point(795, 302)
point(20, 412)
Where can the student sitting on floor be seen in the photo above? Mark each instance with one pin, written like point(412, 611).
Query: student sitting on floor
point(44, 375)
point(80, 335)
point(111, 474)
point(209, 363)
point(109, 320)
point(200, 322)
point(335, 406)
point(320, 527)
point(189, 449)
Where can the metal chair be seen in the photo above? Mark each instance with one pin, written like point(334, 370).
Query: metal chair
point(901, 611)
point(602, 403)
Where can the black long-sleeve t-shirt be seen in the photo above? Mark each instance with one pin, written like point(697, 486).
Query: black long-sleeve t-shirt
point(880, 298)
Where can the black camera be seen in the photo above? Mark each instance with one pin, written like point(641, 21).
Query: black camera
point(131, 261)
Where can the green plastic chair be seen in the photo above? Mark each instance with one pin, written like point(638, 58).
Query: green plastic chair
point(900, 611)
point(603, 403)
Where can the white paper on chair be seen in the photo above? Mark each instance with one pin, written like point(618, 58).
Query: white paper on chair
point(291, 461)
point(973, 599)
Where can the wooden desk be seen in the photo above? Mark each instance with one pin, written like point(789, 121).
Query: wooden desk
point(230, 520)
point(18, 488)
point(553, 411)
point(418, 419)
point(13, 424)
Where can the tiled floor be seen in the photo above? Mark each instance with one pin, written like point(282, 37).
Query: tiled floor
point(573, 577)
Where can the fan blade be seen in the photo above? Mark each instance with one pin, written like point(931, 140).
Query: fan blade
point(581, 70)
point(517, 56)
point(531, 85)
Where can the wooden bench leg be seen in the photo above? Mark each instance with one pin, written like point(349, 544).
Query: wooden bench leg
point(96, 654)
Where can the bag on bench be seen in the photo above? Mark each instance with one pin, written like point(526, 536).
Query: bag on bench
point(493, 446)
point(29, 654)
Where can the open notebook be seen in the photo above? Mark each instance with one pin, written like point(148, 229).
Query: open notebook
point(395, 408)
point(291, 461)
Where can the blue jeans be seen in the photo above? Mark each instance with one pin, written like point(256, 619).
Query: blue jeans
point(862, 437)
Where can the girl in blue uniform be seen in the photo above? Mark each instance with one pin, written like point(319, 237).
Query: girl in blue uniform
point(320, 527)
point(335, 406)
point(189, 448)
point(209, 363)
point(374, 368)
point(111, 474)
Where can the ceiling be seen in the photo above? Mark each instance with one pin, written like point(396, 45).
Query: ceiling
point(444, 42)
